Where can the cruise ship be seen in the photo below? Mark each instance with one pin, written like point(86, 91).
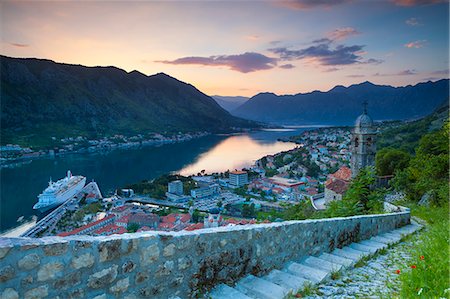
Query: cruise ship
point(58, 192)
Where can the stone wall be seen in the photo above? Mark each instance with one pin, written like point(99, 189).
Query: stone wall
point(166, 264)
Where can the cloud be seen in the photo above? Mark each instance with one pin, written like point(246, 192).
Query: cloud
point(355, 76)
point(252, 37)
point(275, 42)
point(287, 66)
point(342, 33)
point(19, 45)
point(408, 72)
point(416, 2)
point(244, 63)
point(416, 44)
point(413, 22)
point(332, 69)
point(309, 4)
point(325, 54)
point(441, 72)
point(431, 79)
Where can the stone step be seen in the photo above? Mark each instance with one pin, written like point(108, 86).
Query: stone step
point(312, 274)
point(325, 265)
point(357, 251)
point(361, 247)
point(349, 254)
point(286, 280)
point(377, 245)
point(409, 229)
point(380, 239)
point(260, 288)
point(395, 237)
point(222, 291)
point(345, 262)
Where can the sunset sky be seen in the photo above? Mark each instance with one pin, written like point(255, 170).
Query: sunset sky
point(240, 47)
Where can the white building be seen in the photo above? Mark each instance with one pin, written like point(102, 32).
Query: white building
point(204, 192)
point(176, 187)
point(238, 178)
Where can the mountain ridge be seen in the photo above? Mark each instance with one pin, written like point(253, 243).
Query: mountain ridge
point(42, 99)
point(341, 105)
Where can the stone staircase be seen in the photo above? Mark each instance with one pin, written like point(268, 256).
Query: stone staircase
point(309, 270)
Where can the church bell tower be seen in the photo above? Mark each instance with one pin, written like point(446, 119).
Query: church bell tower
point(363, 144)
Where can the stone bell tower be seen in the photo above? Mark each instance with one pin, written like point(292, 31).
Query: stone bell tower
point(363, 144)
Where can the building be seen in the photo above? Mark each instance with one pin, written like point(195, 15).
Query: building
point(363, 143)
point(205, 192)
point(238, 178)
point(144, 219)
point(176, 187)
point(337, 184)
point(213, 220)
point(90, 228)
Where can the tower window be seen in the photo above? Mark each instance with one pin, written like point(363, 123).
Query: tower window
point(356, 142)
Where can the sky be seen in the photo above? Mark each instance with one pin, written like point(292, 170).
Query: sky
point(240, 48)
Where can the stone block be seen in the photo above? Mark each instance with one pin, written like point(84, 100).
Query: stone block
point(50, 271)
point(37, 293)
point(9, 293)
point(109, 250)
point(149, 254)
point(67, 281)
point(6, 273)
point(169, 250)
point(102, 278)
point(29, 262)
point(120, 286)
point(55, 249)
point(83, 261)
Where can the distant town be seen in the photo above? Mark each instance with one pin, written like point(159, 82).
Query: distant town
point(80, 144)
point(307, 173)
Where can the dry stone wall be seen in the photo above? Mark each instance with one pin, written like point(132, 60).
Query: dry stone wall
point(170, 264)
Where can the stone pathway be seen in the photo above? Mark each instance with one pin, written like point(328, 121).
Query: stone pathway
point(375, 279)
point(350, 272)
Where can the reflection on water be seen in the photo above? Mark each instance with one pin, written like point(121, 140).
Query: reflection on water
point(235, 152)
point(21, 185)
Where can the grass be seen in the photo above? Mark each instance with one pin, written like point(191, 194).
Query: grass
point(335, 275)
point(308, 290)
point(427, 273)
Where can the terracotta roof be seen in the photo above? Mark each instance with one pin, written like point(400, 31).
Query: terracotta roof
point(338, 186)
point(80, 229)
point(344, 173)
point(195, 226)
point(111, 229)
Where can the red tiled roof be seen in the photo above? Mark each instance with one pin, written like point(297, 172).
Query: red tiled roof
point(194, 226)
point(344, 173)
point(338, 186)
point(111, 229)
point(80, 229)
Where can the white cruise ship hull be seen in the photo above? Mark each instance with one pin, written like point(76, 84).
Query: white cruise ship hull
point(48, 202)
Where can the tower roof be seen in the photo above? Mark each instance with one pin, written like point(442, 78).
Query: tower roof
point(364, 123)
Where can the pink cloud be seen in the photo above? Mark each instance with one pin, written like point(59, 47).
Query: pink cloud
point(309, 4)
point(416, 44)
point(19, 45)
point(342, 33)
point(416, 2)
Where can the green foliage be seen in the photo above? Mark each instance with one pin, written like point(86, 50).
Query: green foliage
point(196, 216)
point(359, 199)
point(428, 171)
point(271, 172)
point(406, 137)
point(241, 191)
point(132, 227)
point(390, 160)
point(248, 210)
point(303, 210)
point(429, 255)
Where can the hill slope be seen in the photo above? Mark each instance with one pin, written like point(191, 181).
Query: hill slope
point(229, 103)
point(41, 98)
point(341, 105)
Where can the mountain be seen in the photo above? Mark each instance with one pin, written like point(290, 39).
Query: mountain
point(341, 105)
point(41, 99)
point(229, 103)
point(406, 135)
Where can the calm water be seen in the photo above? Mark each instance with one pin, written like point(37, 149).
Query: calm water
point(21, 185)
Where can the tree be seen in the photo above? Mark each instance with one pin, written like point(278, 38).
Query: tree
point(428, 171)
point(248, 210)
point(132, 227)
point(219, 204)
point(195, 216)
point(390, 160)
